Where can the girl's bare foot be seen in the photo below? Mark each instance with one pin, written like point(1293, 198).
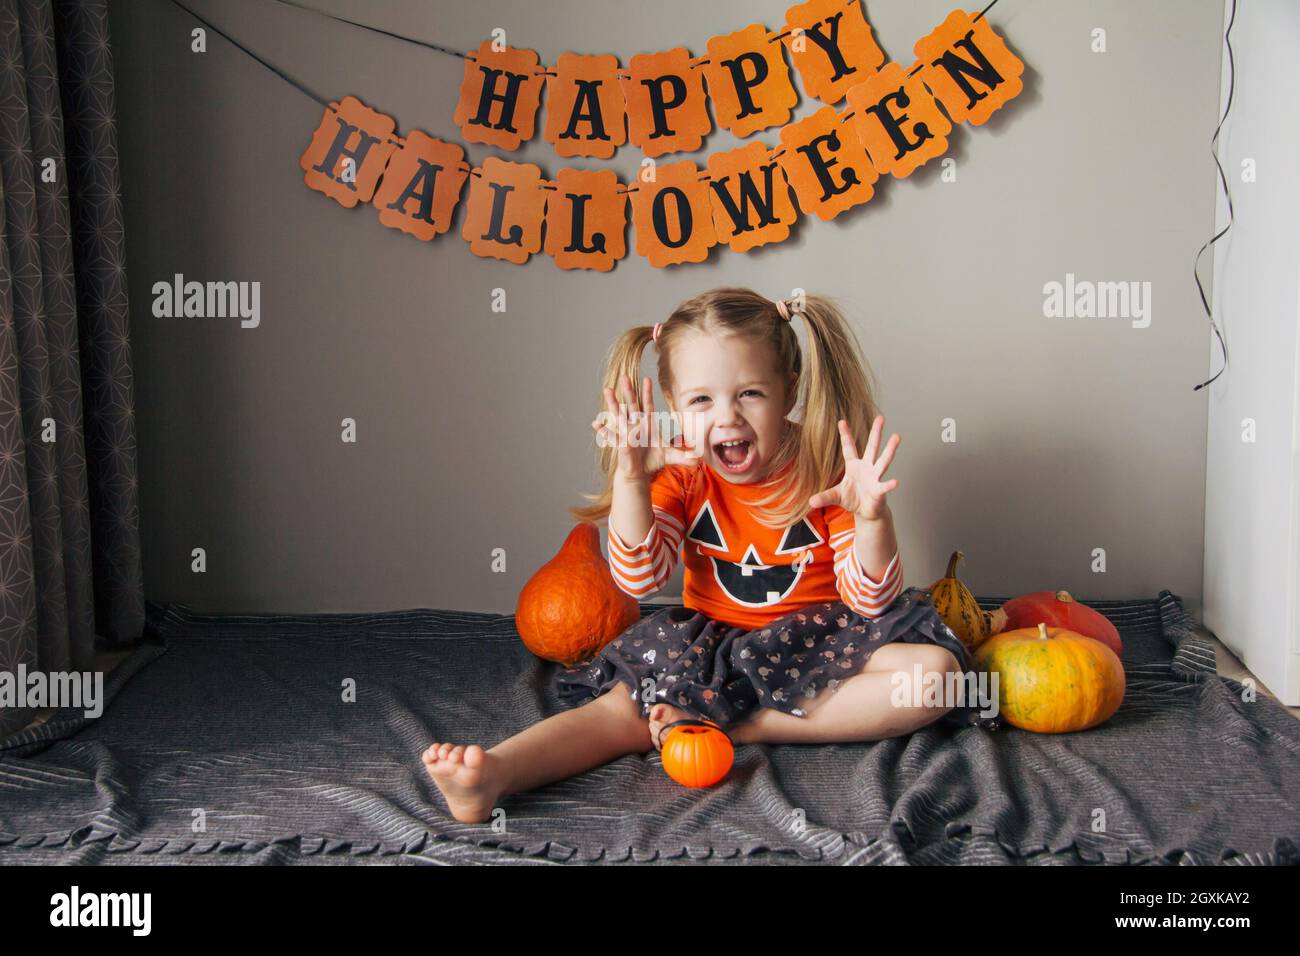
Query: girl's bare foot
point(470, 778)
point(661, 715)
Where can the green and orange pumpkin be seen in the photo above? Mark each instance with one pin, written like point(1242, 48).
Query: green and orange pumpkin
point(1051, 680)
point(960, 611)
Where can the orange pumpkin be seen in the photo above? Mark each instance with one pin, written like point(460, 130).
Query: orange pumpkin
point(571, 607)
point(697, 753)
point(1051, 680)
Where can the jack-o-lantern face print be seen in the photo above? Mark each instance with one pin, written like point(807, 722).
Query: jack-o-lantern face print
point(753, 581)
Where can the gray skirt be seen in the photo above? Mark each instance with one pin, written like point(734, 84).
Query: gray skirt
point(723, 673)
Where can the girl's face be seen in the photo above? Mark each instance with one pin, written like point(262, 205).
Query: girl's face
point(727, 390)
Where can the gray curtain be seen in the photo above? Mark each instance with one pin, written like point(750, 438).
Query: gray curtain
point(69, 516)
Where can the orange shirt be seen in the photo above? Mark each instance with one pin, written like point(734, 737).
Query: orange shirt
point(738, 571)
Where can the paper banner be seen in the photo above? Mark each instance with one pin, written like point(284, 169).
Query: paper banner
point(666, 106)
point(499, 96)
point(586, 217)
point(896, 118)
point(584, 107)
point(673, 216)
point(421, 186)
point(503, 216)
point(348, 152)
point(749, 81)
point(751, 201)
point(969, 68)
point(835, 51)
point(826, 164)
point(898, 121)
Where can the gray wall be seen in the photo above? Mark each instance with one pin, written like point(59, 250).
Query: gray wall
point(474, 426)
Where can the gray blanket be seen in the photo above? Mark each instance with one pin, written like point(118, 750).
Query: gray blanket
point(227, 740)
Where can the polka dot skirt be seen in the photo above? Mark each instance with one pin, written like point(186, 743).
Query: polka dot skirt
point(725, 673)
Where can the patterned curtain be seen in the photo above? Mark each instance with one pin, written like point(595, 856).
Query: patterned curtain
point(69, 517)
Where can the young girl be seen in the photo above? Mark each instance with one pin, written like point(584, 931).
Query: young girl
point(795, 619)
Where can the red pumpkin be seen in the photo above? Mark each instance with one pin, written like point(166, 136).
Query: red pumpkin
point(1059, 609)
point(697, 753)
point(571, 607)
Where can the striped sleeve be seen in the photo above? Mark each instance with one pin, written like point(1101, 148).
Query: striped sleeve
point(643, 568)
point(869, 598)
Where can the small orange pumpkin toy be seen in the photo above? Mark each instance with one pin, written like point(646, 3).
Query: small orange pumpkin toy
point(1051, 680)
point(697, 753)
point(571, 607)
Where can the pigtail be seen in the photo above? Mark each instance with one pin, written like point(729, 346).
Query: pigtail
point(834, 383)
point(624, 358)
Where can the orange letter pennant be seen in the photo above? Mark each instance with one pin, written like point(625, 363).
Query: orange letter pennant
point(666, 107)
point(672, 217)
point(832, 47)
point(509, 80)
point(749, 81)
point(503, 218)
point(751, 200)
point(584, 107)
point(348, 152)
point(586, 216)
point(421, 186)
point(898, 121)
point(969, 68)
point(825, 164)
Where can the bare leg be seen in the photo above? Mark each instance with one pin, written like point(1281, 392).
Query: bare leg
point(860, 709)
point(472, 779)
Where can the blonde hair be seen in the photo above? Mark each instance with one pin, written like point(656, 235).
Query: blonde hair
point(835, 384)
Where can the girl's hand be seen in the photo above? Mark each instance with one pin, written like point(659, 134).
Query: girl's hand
point(862, 490)
point(642, 449)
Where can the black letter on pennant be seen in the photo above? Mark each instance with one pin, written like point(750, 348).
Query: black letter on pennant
point(831, 46)
point(421, 187)
point(586, 98)
point(956, 66)
point(337, 149)
point(577, 228)
point(659, 215)
point(660, 106)
point(748, 192)
point(893, 123)
point(489, 94)
point(821, 165)
point(498, 214)
point(742, 85)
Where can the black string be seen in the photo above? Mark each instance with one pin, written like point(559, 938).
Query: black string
point(442, 49)
point(366, 26)
point(1232, 75)
point(278, 72)
point(695, 64)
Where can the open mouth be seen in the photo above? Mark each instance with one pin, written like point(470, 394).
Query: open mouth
point(736, 457)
